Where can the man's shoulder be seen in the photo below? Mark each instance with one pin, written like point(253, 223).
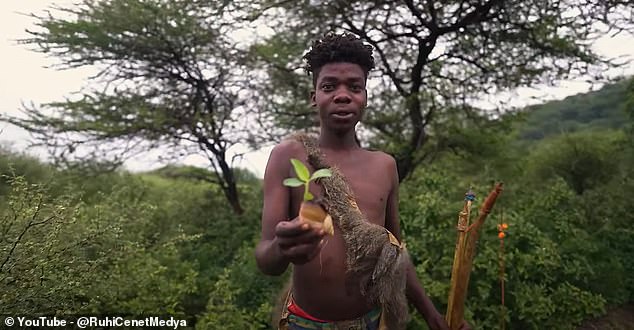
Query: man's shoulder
point(381, 157)
point(287, 147)
point(278, 163)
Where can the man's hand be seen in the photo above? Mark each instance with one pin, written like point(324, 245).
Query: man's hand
point(298, 241)
point(438, 323)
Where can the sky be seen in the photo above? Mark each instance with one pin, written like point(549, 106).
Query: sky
point(26, 77)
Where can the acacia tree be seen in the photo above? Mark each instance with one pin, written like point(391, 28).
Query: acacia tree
point(436, 58)
point(169, 76)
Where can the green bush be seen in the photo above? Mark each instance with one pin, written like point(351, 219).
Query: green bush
point(548, 255)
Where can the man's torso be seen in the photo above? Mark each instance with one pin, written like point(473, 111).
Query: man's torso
point(319, 286)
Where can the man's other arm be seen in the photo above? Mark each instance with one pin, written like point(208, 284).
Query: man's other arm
point(414, 290)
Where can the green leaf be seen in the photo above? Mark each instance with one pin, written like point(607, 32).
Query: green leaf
point(308, 196)
point(292, 182)
point(324, 172)
point(300, 169)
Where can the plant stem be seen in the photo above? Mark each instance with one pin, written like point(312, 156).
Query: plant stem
point(502, 308)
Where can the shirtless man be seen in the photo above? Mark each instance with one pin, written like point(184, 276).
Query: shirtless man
point(340, 66)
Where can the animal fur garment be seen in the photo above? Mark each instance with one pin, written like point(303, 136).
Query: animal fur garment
point(376, 261)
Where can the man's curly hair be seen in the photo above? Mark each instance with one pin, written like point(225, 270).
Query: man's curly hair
point(334, 48)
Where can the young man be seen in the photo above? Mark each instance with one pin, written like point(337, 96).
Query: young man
point(320, 295)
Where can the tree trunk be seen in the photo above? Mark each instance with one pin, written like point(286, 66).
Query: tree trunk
point(406, 160)
point(231, 192)
point(229, 184)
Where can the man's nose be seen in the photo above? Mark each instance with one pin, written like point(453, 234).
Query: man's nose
point(342, 96)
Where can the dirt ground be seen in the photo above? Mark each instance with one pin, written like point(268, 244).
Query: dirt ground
point(620, 318)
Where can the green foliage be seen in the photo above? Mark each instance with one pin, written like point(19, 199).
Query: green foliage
point(583, 160)
point(566, 248)
point(12, 164)
point(62, 256)
point(242, 298)
point(550, 258)
point(116, 244)
point(38, 266)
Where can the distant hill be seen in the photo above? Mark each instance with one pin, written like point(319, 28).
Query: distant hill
point(601, 109)
point(241, 175)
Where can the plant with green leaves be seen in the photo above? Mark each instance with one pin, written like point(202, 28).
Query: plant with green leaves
point(310, 211)
point(304, 178)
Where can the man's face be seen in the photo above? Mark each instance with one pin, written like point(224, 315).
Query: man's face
point(340, 95)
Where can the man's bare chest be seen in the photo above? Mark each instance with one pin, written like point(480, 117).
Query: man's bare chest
point(369, 185)
point(371, 190)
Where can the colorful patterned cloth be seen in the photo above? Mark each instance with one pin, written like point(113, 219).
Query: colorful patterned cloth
point(289, 321)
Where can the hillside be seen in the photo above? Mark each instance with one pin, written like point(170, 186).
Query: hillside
point(600, 109)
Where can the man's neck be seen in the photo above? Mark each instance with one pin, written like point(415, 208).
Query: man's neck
point(339, 142)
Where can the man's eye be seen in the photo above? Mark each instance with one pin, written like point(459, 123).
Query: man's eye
point(356, 88)
point(327, 87)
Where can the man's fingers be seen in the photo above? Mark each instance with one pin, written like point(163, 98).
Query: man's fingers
point(311, 237)
point(299, 241)
point(291, 228)
point(291, 233)
point(302, 251)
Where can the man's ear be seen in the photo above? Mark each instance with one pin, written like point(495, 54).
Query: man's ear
point(313, 102)
point(365, 101)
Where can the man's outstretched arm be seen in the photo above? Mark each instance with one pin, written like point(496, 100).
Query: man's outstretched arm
point(283, 242)
point(275, 209)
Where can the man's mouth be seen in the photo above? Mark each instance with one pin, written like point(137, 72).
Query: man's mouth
point(343, 114)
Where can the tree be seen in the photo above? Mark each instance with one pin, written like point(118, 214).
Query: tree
point(435, 56)
point(583, 160)
point(628, 107)
point(169, 75)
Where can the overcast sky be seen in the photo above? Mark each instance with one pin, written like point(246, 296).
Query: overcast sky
point(25, 78)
